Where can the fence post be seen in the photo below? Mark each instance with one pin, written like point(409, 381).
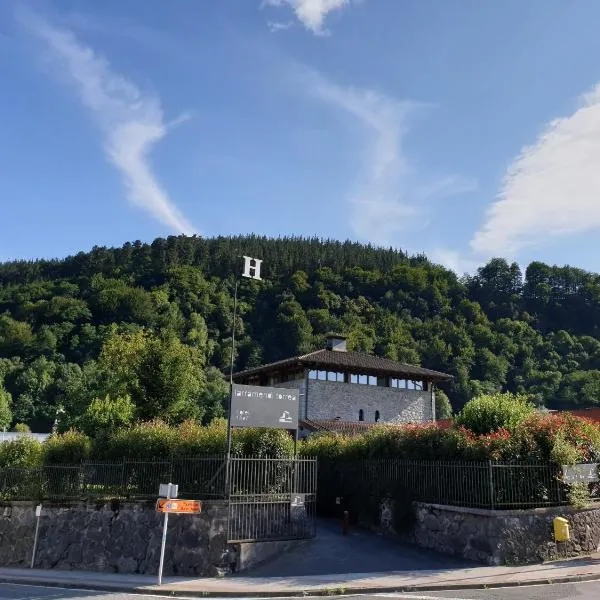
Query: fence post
point(123, 486)
point(491, 477)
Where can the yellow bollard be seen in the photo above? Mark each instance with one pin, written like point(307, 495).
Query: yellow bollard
point(561, 529)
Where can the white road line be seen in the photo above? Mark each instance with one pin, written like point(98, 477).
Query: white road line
point(416, 597)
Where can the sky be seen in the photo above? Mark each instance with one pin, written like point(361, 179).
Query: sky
point(464, 130)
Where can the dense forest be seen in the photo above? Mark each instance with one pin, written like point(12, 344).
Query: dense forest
point(147, 327)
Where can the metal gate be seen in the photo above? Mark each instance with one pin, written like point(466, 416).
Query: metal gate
point(272, 499)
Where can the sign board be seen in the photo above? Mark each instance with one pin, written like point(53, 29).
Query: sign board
point(298, 500)
point(297, 507)
point(582, 473)
point(168, 490)
point(180, 507)
point(255, 406)
point(38, 510)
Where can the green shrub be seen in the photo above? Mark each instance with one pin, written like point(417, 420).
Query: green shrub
point(21, 428)
point(490, 412)
point(70, 447)
point(144, 441)
point(158, 441)
point(23, 452)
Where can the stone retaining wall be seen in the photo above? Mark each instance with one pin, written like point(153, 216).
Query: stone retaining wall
point(499, 537)
point(114, 537)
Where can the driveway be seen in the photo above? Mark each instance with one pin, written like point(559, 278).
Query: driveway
point(359, 552)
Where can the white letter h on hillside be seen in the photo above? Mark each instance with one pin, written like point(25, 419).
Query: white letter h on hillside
point(252, 268)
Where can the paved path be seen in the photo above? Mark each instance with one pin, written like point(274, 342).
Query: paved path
point(359, 552)
point(427, 582)
point(569, 591)
point(566, 591)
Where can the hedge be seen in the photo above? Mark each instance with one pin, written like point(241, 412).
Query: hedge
point(551, 438)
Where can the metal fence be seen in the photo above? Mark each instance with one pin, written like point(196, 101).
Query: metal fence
point(269, 498)
point(488, 485)
point(272, 501)
point(126, 479)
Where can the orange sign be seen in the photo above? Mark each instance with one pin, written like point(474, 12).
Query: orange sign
point(179, 506)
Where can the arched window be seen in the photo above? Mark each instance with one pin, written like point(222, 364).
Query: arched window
point(361, 415)
point(377, 416)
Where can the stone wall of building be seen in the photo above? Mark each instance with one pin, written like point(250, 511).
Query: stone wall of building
point(507, 537)
point(114, 537)
point(329, 400)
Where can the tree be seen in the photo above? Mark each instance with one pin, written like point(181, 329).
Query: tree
point(5, 409)
point(105, 415)
point(163, 377)
point(443, 408)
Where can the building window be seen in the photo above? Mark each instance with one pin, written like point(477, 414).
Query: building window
point(335, 376)
point(341, 377)
point(363, 379)
point(401, 384)
point(353, 378)
point(418, 385)
point(372, 380)
point(361, 415)
point(411, 384)
point(322, 375)
point(312, 374)
point(377, 416)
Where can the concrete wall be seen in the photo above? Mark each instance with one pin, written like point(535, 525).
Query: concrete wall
point(506, 537)
point(329, 399)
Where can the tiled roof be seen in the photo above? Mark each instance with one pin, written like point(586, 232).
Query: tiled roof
point(593, 414)
point(337, 426)
point(356, 362)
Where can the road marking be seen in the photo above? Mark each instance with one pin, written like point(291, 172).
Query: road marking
point(417, 597)
point(106, 592)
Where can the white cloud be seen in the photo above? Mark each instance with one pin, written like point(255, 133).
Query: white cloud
point(552, 188)
point(378, 207)
point(453, 260)
point(311, 13)
point(132, 121)
point(275, 26)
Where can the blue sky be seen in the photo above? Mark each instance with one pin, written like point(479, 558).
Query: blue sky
point(464, 129)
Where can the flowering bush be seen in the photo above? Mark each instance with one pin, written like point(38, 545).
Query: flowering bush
point(557, 438)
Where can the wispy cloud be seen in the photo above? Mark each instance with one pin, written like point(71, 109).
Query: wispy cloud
point(275, 26)
point(551, 189)
point(131, 121)
point(453, 259)
point(386, 197)
point(378, 208)
point(311, 13)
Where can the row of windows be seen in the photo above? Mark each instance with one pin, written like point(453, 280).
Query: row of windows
point(404, 384)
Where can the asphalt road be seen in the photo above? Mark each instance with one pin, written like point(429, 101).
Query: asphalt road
point(576, 591)
point(26, 592)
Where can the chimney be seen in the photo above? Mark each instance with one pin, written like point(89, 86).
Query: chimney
point(337, 343)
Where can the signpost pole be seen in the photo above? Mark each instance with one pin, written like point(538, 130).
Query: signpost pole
point(38, 514)
point(228, 450)
point(164, 540)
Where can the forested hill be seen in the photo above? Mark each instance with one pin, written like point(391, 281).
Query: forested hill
point(152, 322)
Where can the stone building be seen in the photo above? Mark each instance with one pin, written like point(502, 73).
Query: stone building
point(339, 386)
